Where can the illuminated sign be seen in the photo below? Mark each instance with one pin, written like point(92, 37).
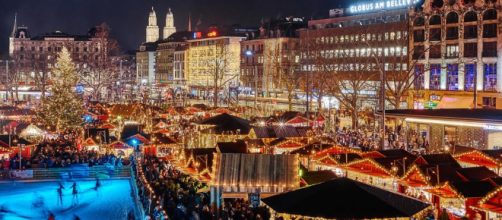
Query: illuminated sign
point(381, 5)
point(212, 34)
point(197, 35)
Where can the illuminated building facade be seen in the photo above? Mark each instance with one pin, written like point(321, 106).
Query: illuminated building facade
point(263, 55)
point(210, 58)
point(33, 57)
point(166, 60)
point(347, 45)
point(457, 45)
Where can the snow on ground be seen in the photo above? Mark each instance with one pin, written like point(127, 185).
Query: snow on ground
point(36, 200)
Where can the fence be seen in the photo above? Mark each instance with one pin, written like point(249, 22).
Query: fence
point(75, 172)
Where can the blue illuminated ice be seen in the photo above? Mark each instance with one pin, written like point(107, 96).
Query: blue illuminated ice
point(36, 200)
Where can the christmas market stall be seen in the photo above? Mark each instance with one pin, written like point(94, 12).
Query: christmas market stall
point(5, 153)
point(15, 144)
point(120, 148)
point(458, 199)
point(270, 132)
point(90, 145)
point(238, 175)
point(196, 162)
point(160, 145)
point(469, 157)
point(334, 158)
point(220, 128)
point(32, 133)
point(126, 111)
point(283, 145)
point(369, 171)
point(491, 205)
point(308, 152)
point(348, 199)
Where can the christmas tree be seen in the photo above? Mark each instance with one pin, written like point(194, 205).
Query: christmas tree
point(63, 110)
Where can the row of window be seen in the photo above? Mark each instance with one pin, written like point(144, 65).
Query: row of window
point(452, 17)
point(58, 49)
point(49, 57)
point(394, 35)
point(362, 52)
point(452, 33)
point(452, 51)
point(452, 82)
point(355, 67)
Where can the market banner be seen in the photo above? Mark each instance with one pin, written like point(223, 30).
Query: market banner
point(22, 174)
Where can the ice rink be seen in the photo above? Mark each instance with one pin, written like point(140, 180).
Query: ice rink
point(37, 200)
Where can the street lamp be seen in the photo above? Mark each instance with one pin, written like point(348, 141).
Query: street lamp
point(250, 54)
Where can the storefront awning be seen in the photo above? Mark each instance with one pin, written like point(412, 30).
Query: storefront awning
point(456, 102)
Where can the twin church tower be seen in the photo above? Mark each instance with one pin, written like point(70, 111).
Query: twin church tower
point(152, 30)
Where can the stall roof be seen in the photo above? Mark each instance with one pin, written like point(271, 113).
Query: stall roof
point(315, 177)
point(489, 115)
point(348, 199)
point(225, 123)
point(437, 159)
point(477, 173)
point(473, 189)
point(397, 153)
point(232, 147)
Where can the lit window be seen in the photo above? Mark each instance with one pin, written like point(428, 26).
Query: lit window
point(452, 50)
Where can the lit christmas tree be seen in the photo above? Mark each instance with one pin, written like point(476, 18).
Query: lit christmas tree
point(63, 110)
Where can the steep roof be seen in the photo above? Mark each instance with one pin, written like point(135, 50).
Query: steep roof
point(397, 153)
point(279, 131)
point(344, 198)
point(315, 177)
point(473, 189)
point(437, 159)
point(232, 147)
point(477, 173)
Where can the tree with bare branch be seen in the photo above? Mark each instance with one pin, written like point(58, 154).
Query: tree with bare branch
point(222, 69)
point(281, 63)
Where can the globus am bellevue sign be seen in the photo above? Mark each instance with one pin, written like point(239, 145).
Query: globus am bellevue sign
point(381, 5)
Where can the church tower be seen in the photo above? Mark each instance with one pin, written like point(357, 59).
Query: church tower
point(12, 36)
point(152, 30)
point(169, 28)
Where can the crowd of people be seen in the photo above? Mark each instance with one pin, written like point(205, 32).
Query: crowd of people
point(60, 153)
point(185, 198)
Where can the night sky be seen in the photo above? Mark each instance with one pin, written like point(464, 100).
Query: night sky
point(128, 18)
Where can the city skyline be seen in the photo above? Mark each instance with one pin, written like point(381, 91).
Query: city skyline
point(130, 16)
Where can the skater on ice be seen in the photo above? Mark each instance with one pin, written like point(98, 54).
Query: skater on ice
point(74, 193)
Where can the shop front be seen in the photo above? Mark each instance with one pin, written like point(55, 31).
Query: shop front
point(441, 129)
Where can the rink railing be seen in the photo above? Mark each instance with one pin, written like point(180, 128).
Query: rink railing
point(79, 172)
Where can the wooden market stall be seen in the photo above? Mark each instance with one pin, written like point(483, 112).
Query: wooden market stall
point(459, 198)
point(471, 157)
point(491, 205)
point(369, 171)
